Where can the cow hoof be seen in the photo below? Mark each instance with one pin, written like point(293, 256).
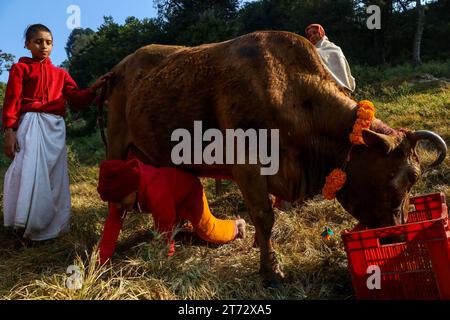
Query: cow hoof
point(274, 279)
point(276, 266)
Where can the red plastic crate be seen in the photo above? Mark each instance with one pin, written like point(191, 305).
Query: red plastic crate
point(418, 267)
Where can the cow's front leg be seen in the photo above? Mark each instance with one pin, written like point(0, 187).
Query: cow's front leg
point(270, 267)
point(254, 190)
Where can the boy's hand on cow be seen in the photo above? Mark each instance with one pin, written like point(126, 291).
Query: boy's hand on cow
point(100, 82)
point(11, 144)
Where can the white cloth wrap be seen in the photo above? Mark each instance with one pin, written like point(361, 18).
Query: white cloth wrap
point(36, 193)
point(335, 62)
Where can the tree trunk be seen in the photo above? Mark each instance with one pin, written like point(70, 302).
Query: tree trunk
point(381, 40)
point(380, 47)
point(219, 189)
point(419, 31)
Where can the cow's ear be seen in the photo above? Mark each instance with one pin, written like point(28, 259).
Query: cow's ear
point(379, 140)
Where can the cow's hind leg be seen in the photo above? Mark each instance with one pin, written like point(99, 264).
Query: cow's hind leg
point(118, 132)
point(254, 189)
point(117, 149)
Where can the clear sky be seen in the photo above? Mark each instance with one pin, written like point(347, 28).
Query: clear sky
point(16, 15)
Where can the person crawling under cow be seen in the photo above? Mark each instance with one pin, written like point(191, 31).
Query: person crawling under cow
point(170, 194)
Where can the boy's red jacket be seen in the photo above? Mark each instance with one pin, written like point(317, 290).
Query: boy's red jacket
point(40, 87)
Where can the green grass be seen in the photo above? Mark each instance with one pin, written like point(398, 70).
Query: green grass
point(367, 76)
point(315, 269)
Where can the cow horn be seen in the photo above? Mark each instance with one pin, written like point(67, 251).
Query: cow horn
point(436, 140)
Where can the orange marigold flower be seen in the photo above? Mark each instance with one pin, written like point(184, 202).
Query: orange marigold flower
point(358, 126)
point(366, 104)
point(333, 183)
point(356, 139)
point(365, 116)
point(365, 124)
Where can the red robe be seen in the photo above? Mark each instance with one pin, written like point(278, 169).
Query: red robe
point(40, 87)
point(172, 195)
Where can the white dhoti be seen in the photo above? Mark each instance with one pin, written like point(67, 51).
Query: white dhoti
point(36, 193)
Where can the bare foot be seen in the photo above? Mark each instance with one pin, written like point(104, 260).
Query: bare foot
point(240, 223)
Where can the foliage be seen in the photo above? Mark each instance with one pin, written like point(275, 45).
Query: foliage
point(369, 75)
point(6, 61)
point(193, 22)
point(77, 40)
point(95, 54)
point(2, 92)
point(110, 44)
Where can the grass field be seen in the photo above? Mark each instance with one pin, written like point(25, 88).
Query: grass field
point(315, 268)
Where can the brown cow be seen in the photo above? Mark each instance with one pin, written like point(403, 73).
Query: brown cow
point(270, 80)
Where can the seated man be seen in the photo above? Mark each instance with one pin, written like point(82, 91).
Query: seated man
point(332, 57)
point(172, 195)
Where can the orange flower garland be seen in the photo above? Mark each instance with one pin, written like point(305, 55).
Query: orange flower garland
point(365, 115)
point(334, 182)
point(336, 179)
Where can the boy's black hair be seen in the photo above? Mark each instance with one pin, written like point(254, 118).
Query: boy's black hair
point(33, 29)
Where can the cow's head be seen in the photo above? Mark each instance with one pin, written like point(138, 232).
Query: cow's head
point(381, 174)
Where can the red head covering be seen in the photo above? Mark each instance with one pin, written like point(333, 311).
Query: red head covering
point(117, 179)
point(320, 30)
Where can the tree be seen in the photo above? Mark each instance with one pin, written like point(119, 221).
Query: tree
point(339, 18)
point(6, 61)
point(436, 31)
point(103, 50)
point(419, 32)
point(78, 39)
point(192, 22)
point(264, 15)
point(190, 10)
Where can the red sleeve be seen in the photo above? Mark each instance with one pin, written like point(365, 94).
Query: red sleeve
point(111, 231)
point(77, 99)
point(163, 209)
point(13, 95)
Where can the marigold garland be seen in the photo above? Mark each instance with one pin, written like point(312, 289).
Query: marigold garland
point(365, 115)
point(336, 179)
point(334, 182)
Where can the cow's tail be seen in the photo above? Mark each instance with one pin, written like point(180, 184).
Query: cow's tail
point(100, 104)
